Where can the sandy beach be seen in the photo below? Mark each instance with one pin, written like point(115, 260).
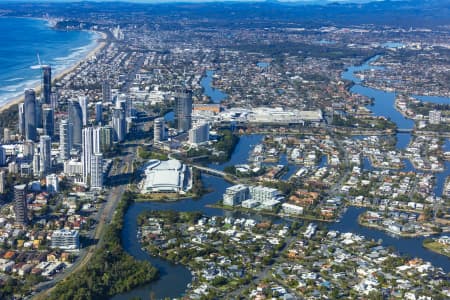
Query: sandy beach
point(58, 76)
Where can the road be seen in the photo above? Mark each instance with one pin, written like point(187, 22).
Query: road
point(104, 216)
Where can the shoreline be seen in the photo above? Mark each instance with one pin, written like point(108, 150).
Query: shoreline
point(58, 76)
point(435, 247)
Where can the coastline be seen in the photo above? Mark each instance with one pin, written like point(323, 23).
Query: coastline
point(58, 76)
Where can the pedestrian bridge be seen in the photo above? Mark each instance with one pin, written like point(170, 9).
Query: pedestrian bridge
point(210, 171)
point(404, 130)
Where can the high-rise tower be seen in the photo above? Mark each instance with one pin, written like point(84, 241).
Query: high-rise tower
point(46, 84)
point(45, 155)
point(75, 123)
point(106, 91)
point(64, 140)
point(158, 130)
point(98, 112)
point(96, 171)
point(20, 204)
point(92, 160)
point(87, 151)
point(119, 124)
point(48, 120)
point(30, 115)
point(183, 110)
point(22, 119)
point(84, 109)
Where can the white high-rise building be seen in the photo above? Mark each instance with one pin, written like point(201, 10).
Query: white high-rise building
point(158, 130)
point(96, 140)
point(45, 154)
point(87, 151)
point(36, 164)
point(84, 109)
point(64, 140)
point(22, 119)
point(119, 124)
point(97, 171)
point(2, 182)
point(52, 183)
point(199, 134)
point(435, 117)
point(6, 135)
point(92, 159)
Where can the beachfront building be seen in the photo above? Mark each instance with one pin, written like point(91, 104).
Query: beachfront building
point(170, 176)
point(30, 115)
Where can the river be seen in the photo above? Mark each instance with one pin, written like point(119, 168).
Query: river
point(175, 278)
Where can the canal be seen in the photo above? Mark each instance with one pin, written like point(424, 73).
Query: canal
point(175, 278)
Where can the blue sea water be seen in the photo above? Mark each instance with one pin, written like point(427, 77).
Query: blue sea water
point(21, 39)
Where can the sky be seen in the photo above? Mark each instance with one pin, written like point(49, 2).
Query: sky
point(162, 1)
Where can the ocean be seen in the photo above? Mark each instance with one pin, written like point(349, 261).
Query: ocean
point(21, 39)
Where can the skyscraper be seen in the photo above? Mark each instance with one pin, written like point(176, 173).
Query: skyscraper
point(87, 151)
point(48, 121)
point(92, 160)
point(119, 124)
point(96, 140)
point(106, 138)
point(54, 99)
point(98, 112)
point(64, 140)
point(183, 110)
point(28, 150)
point(20, 204)
point(96, 171)
point(106, 91)
point(199, 134)
point(84, 109)
point(46, 84)
point(158, 130)
point(6, 135)
point(36, 164)
point(124, 102)
point(2, 156)
point(2, 182)
point(22, 119)
point(30, 115)
point(45, 155)
point(75, 123)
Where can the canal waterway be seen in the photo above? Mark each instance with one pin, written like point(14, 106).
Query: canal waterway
point(175, 278)
point(214, 94)
point(384, 105)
